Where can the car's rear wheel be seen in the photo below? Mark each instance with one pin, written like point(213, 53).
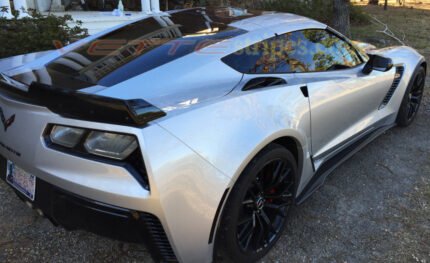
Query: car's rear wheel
point(412, 99)
point(256, 210)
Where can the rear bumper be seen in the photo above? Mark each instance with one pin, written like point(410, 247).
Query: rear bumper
point(73, 212)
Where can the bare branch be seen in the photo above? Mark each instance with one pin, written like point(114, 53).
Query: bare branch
point(387, 31)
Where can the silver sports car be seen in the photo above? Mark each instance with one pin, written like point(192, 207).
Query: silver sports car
point(196, 130)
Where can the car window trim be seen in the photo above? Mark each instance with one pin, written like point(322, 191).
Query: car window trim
point(307, 72)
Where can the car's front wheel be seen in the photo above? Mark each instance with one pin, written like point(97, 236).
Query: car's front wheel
point(412, 99)
point(256, 210)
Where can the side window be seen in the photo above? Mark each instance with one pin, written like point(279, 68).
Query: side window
point(299, 51)
point(266, 57)
point(325, 51)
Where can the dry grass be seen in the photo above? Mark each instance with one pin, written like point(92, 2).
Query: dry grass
point(409, 23)
point(414, 25)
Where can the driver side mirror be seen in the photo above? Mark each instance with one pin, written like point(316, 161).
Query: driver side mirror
point(378, 63)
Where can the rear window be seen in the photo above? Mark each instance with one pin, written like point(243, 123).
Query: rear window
point(142, 46)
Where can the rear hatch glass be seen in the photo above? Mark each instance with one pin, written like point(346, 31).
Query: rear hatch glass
point(133, 50)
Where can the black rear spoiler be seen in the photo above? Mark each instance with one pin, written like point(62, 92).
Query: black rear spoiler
point(82, 106)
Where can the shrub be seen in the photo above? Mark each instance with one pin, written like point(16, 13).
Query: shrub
point(36, 33)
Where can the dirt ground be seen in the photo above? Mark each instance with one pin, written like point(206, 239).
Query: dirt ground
point(373, 208)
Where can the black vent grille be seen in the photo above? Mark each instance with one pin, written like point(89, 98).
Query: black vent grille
point(159, 238)
point(398, 77)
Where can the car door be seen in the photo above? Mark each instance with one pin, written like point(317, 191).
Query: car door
point(344, 101)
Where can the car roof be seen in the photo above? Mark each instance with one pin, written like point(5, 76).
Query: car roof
point(189, 44)
point(254, 20)
point(277, 20)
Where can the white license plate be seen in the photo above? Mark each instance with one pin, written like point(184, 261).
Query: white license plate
point(22, 181)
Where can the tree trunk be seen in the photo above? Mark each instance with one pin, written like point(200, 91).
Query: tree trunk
point(215, 2)
point(386, 5)
point(341, 16)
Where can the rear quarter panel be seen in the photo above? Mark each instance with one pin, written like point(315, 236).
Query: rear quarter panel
point(230, 132)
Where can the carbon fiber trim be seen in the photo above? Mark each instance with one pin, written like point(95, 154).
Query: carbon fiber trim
point(398, 77)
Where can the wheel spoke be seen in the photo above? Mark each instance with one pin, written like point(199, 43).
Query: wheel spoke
point(418, 91)
point(415, 95)
point(281, 214)
point(415, 99)
point(265, 218)
point(277, 170)
point(260, 237)
point(283, 177)
point(251, 193)
point(259, 185)
point(412, 110)
point(290, 185)
point(245, 220)
point(248, 240)
point(265, 205)
point(268, 222)
point(280, 196)
point(245, 230)
point(248, 234)
point(267, 226)
point(247, 202)
point(278, 206)
point(419, 81)
point(287, 193)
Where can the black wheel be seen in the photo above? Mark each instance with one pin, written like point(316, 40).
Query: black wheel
point(256, 210)
point(412, 99)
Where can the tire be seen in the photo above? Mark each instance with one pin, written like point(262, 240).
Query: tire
point(412, 99)
point(263, 194)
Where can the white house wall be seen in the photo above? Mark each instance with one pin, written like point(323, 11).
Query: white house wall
point(44, 5)
point(94, 21)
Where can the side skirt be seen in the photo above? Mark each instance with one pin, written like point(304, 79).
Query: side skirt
point(331, 164)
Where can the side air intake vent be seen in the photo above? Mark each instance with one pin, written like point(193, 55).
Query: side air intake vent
point(159, 238)
point(397, 78)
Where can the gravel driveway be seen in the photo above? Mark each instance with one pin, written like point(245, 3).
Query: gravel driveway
point(375, 207)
